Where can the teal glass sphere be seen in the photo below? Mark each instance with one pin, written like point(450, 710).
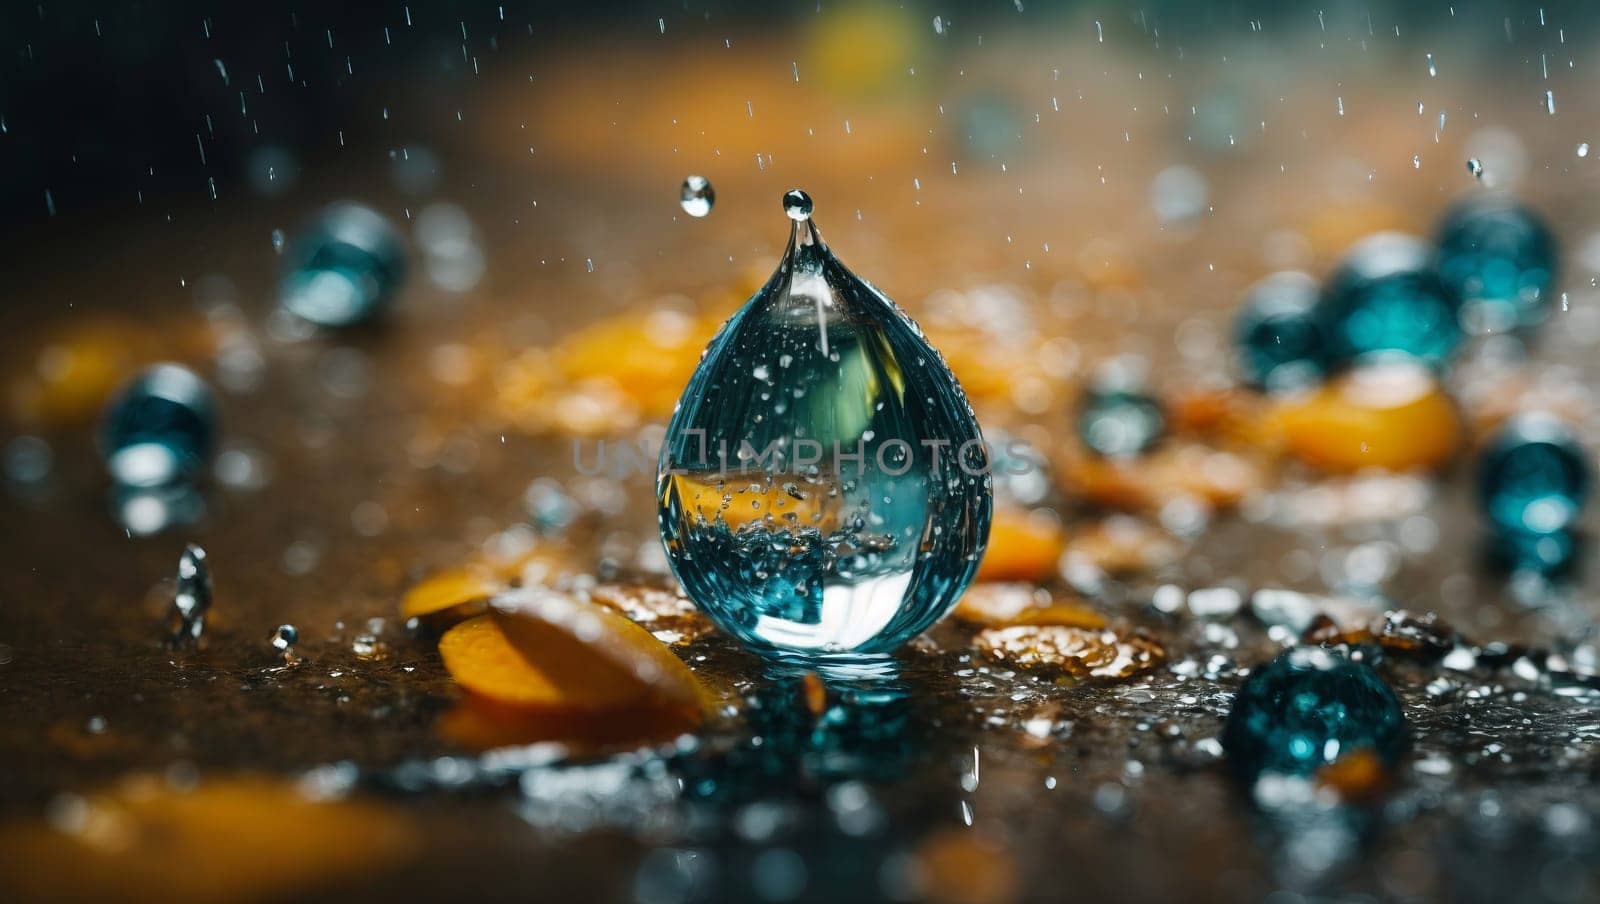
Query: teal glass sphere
point(1386, 297)
point(1307, 709)
point(1279, 342)
point(1533, 476)
point(1500, 258)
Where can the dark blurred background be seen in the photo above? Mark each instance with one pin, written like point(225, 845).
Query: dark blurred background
point(104, 106)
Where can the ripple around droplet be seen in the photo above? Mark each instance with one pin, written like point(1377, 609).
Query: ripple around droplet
point(839, 505)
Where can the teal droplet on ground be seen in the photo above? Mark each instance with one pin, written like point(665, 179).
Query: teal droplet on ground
point(1307, 709)
point(1387, 297)
point(1501, 259)
point(1534, 475)
point(823, 486)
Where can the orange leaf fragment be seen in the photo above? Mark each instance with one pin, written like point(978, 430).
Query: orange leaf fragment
point(594, 654)
point(144, 839)
point(477, 723)
point(459, 588)
point(1022, 604)
point(481, 659)
point(1392, 415)
point(1023, 546)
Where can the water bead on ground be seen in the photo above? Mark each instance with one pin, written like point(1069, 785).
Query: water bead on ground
point(823, 489)
point(1307, 709)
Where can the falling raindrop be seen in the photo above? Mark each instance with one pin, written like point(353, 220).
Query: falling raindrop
point(1475, 167)
point(838, 503)
point(1550, 102)
point(1433, 70)
point(1583, 149)
point(697, 196)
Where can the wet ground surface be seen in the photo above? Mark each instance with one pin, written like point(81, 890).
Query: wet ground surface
point(361, 463)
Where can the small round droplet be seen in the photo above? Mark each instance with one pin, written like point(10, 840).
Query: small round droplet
point(1583, 149)
point(1475, 167)
point(697, 196)
point(285, 638)
point(797, 204)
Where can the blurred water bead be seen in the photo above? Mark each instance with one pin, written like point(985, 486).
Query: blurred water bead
point(147, 511)
point(697, 196)
point(1308, 709)
point(345, 267)
point(1118, 417)
point(1534, 475)
point(1386, 296)
point(1519, 551)
point(272, 170)
point(28, 460)
point(1178, 194)
point(415, 170)
point(550, 508)
point(990, 125)
point(822, 489)
point(452, 255)
point(160, 429)
point(1500, 257)
point(1279, 339)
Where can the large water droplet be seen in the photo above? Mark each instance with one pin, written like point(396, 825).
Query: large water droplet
point(697, 196)
point(824, 489)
